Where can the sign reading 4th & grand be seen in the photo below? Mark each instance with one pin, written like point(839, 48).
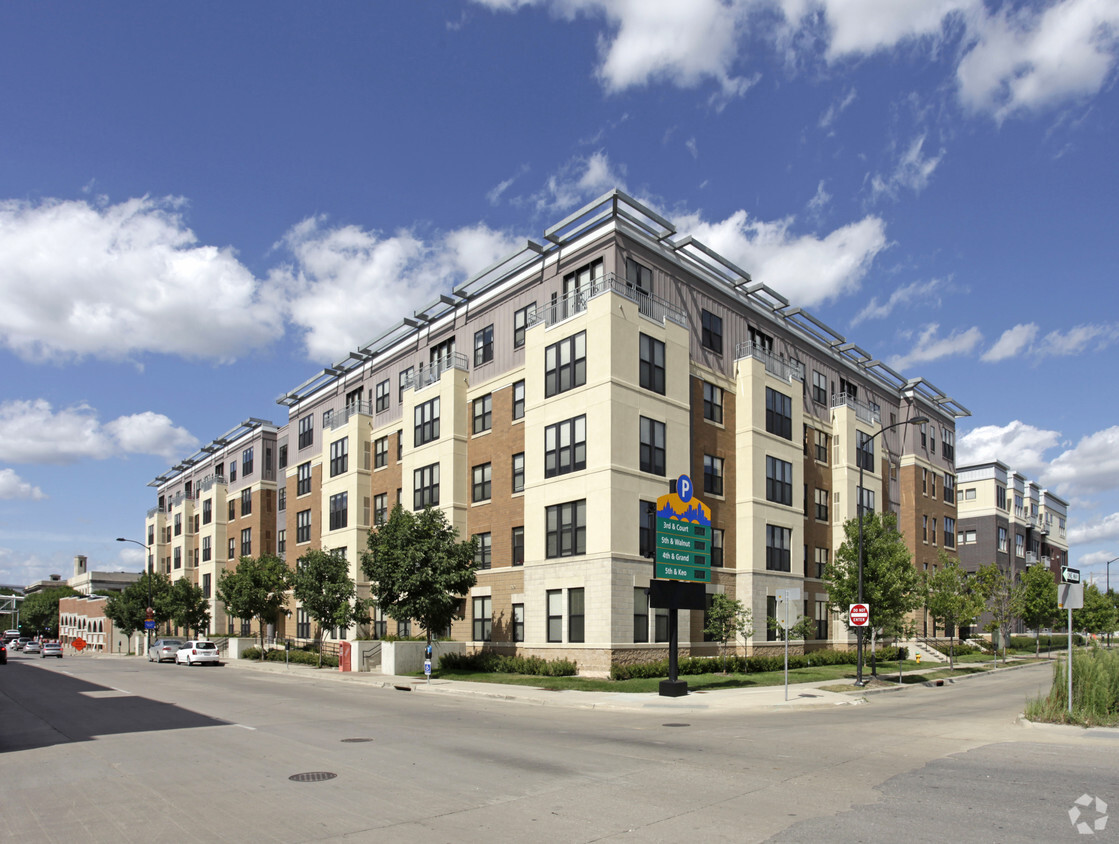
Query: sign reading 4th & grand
point(683, 549)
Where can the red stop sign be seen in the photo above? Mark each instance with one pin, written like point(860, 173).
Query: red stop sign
point(859, 615)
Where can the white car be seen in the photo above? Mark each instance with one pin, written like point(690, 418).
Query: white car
point(197, 652)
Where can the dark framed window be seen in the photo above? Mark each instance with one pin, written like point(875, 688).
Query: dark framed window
point(282, 461)
point(565, 529)
point(864, 451)
point(717, 548)
point(427, 422)
point(652, 435)
point(381, 396)
point(306, 431)
point(565, 447)
point(639, 277)
point(232, 548)
point(246, 542)
point(651, 372)
point(441, 353)
point(339, 510)
point(711, 336)
point(425, 487)
point(520, 324)
point(483, 345)
point(647, 529)
point(778, 481)
point(821, 505)
point(207, 585)
point(640, 614)
point(406, 378)
point(846, 388)
point(819, 388)
point(282, 498)
point(483, 413)
point(207, 549)
point(483, 618)
point(519, 472)
point(759, 339)
point(565, 365)
point(339, 456)
point(712, 402)
point(380, 508)
point(483, 482)
point(778, 542)
point(949, 487)
point(518, 540)
point(247, 461)
point(554, 599)
point(207, 513)
point(712, 474)
point(381, 453)
point(821, 446)
point(864, 498)
point(778, 413)
point(771, 612)
point(399, 445)
point(302, 527)
point(232, 509)
point(303, 478)
point(519, 400)
point(483, 550)
point(302, 624)
point(281, 541)
point(246, 502)
point(576, 615)
point(232, 470)
point(950, 534)
point(822, 555)
point(179, 523)
point(518, 622)
point(948, 440)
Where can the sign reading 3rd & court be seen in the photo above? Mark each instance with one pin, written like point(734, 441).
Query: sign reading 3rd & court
point(683, 548)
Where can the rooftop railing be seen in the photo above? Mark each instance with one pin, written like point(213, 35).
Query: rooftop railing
point(340, 417)
point(779, 367)
point(575, 302)
point(863, 411)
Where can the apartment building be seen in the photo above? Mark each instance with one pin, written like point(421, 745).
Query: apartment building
point(544, 405)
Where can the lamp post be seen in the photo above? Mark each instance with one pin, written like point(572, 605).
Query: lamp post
point(861, 493)
point(148, 569)
point(1108, 564)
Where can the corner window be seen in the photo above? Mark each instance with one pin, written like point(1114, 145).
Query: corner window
point(565, 365)
point(651, 370)
point(565, 447)
point(565, 529)
point(427, 422)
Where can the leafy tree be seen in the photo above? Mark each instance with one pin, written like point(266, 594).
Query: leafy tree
point(255, 589)
point(802, 629)
point(727, 619)
point(419, 569)
point(1037, 600)
point(38, 614)
point(1097, 616)
point(891, 585)
point(953, 599)
point(188, 606)
point(127, 609)
point(323, 587)
point(1001, 594)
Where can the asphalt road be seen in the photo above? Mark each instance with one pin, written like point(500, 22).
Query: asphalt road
point(117, 749)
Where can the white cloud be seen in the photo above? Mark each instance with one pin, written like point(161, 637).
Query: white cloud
point(912, 171)
point(1012, 343)
point(828, 118)
point(110, 281)
point(1105, 529)
point(820, 200)
point(931, 346)
point(1020, 446)
point(1078, 339)
point(12, 486)
point(33, 432)
point(579, 181)
point(902, 296)
point(1091, 466)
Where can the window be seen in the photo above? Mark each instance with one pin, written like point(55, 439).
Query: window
point(483, 618)
point(380, 508)
point(406, 378)
point(520, 324)
point(1002, 540)
point(638, 277)
point(381, 453)
point(932, 439)
point(246, 542)
point(778, 541)
point(821, 561)
point(771, 612)
point(924, 481)
point(281, 541)
point(207, 549)
point(306, 431)
point(207, 586)
point(864, 451)
point(712, 474)
point(246, 502)
point(565, 529)
point(483, 345)
point(565, 365)
point(483, 550)
point(778, 413)
point(821, 446)
point(865, 499)
point(518, 622)
point(427, 422)
point(660, 625)
point(821, 619)
point(519, 400)
point(575, 614)
point(555, 615)
point(483, 413)
point(339, 510)
point(302, 527)
point(582, 280)
point(778, 481)
point(282, 498)
point(381, 399)
point(652, 446)
point(1000, 497)
point(846, 388)
point(949, 486)
point(247, 462)
point(924, 528)
point(178, 524)
point(712, 402)
point(565, 447)
point(819, 388)
point(232, 470)
point(399, 445)
point(207, 513)
point(1019, 543)
point(232, 548)
point(821, 505)
point(425, 487)
point(651, 370)
point(969, 494)
point(717, 548)
point(647, 530)
point(519, 472)
point(339, 457)
point(518, 543)
point(483, 476)
point(640, 614)
point(177, 555)
point(232, 509)
point(283, 459)
point(712, 332)
point(949, 532)
point(303, 478)
point(302, 624)
point(441, 353)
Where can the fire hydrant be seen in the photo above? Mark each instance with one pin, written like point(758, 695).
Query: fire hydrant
point(918, 659)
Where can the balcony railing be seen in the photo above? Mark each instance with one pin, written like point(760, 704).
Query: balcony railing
point(779, 367)
point(863, 411)
point(340, 417)
point(575, 302)
point(430, 374)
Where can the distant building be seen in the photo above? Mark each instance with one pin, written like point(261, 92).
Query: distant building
point(84, 618)
point(89, 582)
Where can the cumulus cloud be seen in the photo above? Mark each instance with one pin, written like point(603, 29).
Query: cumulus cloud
point(1091, 466)
point(112, 281)
point(903, 296)
point(1019, 445)
point(912, 172)
point(930, 346)
point(12, 486)
point(577, 182)
point(1012, 343)
point(1023, 339)
point(34, 432)
point(1104, 529)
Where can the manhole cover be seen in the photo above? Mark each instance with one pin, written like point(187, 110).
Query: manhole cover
point(675, 725)
point(355, 740)
point(312, 776)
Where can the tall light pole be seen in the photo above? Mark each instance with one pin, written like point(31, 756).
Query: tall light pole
point(148, 569)
point(916, 420)
point(1108, 564)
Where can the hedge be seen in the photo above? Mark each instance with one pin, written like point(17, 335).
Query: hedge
point(746, 665)
point(300, 656)
point(487, 662)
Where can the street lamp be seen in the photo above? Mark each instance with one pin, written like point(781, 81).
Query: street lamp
point(148, 568)
point(1108, 564)
point(917, 420)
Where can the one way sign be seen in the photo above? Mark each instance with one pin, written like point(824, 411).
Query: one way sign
point(1070, 575)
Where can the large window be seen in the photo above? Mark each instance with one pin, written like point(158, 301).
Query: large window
point(380, 508)
point(382, 396)
point(640, 614)
point(652, 446)
point(518, 543)
point(519, 472)
point(246, 542)
point(864, 451)
point(247, 462)
point(339, 456)
point(647, 529)
point(483, 483)
point(303, 526)
point(778, 481)
point(565, 365)
point(427, 422)
point(864, 499)
point(246, 502)
point(717, 548)
point(207, 513)
point(207, 549)
point(303, 478)
point(949, 487)
point(483, 413)
point(483, 345)
point(520, 324)
point(948, 439)
point(519, 400)
point(821, 561)
point(778, 542)
point(639, 277)
point(821, 505)
point(819, 388)
point(518, 622)
point(576, 614)
point(302, 624)
point(406, 378)
point(712, 402)
point(712, 474)
point(778, 413)
point(339, 511)
point(381, 453)
point(821, 446)
point(565, 447)
point(306, 431)
point(712, 332)
point(483, 550)
point(555, 615)
point(425, 487)
point(565, 529)
point(652, 364)
point(483, 618)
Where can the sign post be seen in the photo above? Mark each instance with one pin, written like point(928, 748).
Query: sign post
point(1070, 596)
point(786, 599)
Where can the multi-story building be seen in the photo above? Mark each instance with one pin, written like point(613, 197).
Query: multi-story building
point(544, 405)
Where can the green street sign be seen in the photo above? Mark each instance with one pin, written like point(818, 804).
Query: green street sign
point(672, 571)
point(675, 527)
point(684, 558)
point(671, 542)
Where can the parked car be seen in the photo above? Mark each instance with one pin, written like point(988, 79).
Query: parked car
point(31, 648)
point(162, 649)
point(20, 643)
point(198, 652)
point(51, 649)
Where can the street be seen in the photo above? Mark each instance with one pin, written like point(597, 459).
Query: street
point(117, 749)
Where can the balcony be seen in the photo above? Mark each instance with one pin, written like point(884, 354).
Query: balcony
point(340, 417)
point(648, 305)
point(863, 412)
point(430, 374)
point(779, 367)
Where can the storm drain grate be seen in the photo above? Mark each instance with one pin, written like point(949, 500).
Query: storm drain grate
point(355, 740)
point(312, 776)
point(675, 725)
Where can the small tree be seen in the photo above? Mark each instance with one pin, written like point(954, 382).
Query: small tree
point(1037, 601)
point(1098, 614)
point(324, 589)
point(952, 600)
point(255, 589)
point(418, 568)
point(188, 606)
point(801, 629)
point(1002, 599)
point(726, 620)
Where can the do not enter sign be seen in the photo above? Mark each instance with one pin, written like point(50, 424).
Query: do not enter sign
point(859, 615)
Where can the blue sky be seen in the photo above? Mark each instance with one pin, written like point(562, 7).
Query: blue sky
point(203, 204)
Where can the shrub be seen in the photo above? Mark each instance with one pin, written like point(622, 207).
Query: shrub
point(488, 662)
point(306, 655)
point(1095, 691)
point(746, 665)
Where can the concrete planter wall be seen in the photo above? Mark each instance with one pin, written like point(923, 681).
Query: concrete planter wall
point(408, 657)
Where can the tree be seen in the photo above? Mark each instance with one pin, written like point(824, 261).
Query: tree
point(127, 609)
point(323, 587)
point(255, 589)
point(38, 614)
point(802, 629)
point(188, 606)
point(1097, 615)
point(1037, 600)
point(891, 586)
point(419, 569)
point(1001, 595)
point(727, 619)
point(952, 600)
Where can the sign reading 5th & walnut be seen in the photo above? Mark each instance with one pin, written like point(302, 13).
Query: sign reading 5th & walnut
point(683, 535)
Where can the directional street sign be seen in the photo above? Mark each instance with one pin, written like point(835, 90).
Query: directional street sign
point(859, 615)
point(671, 571)
point(1070, 575)
point(683, 536)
